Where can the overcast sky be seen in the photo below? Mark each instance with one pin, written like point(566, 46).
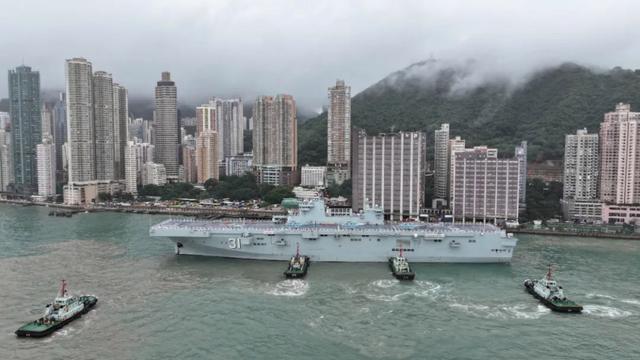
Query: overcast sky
point(248, 48)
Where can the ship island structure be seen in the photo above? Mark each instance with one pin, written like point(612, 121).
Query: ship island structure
point(338, 237)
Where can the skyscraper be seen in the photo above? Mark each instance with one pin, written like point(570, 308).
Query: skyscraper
point(26, 126)
point(388, 171)
point(580, 183)
point(619, 156)
point(230, 126)
point(275, 138)
point(104, 125)
point(521, 156)
point(339, 133)
point(60, 133)
point(80, 124)
point(130, 168)
point(207, 166)
point(441, 163)
point(166, 125)
point(484, 187)
point(46, 154)
point(120, 123)
point(6, 164)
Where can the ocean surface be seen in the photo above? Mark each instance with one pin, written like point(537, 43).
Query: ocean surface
point(155, 305)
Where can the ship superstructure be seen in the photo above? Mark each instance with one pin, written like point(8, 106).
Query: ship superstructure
point(361, 237)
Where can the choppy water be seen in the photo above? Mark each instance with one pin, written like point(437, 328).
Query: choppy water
point(154, 305)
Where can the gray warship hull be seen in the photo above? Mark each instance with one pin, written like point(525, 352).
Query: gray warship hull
point(333, 243)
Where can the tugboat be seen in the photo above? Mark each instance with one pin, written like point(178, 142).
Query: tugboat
point(65, 309)
point(298, 265)
point(400, 267)
point(551, 294)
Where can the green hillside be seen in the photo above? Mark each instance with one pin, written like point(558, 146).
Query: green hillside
point(542, 110)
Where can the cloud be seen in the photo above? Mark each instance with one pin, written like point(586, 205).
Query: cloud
point(248, 48)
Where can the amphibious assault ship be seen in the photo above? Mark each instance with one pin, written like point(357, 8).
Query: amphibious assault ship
point(349, 237)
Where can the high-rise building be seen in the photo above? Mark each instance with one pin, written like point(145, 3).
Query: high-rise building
point(120, 131)
point(313, 176)
point(484, 187)
point(131, 168)
point(80, 123)
point(26, 126)
point(229, 125)
point(455, 144)
point(206, 118)
point(521, 156)
point(46, 154)
point(620, 156)
point(60, 134)
point(166, 125)
point(581, 163)
point(207, 156)
point(441, 163)
point(339, 133)
point(5, 120)
point(275, 137)
point(189, 163)
point(238, 165)
point(6, 163)
point(47, 121)
point(388, 171)
point(104, 125)
point(154, 174)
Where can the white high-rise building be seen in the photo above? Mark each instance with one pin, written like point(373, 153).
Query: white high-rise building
point(46, 157)
point(313, 176)
point(388, 171)
point(80, 124)
point(5, 120)
point(131, 168)
point(166, 125)
point(154, 174)
point(455, 144)
point(441, 163)
point(339, 133)
point(104, 125)
point(521, 156)
point(581, 163)
point(6, 162)
point(238, 165)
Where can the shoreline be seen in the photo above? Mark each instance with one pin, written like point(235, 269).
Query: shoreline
point(152, 210)
point(575, 234)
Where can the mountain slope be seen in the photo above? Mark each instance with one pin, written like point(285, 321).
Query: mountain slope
point(492, 111)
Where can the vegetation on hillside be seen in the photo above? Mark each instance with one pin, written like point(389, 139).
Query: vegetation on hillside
point(542, 110)
point(543, 200)
point(235, 188)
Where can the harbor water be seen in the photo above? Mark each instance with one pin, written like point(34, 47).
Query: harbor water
point(155, 305)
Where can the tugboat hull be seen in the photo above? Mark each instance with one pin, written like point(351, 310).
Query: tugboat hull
point(35, 330)
point(291, 273)
point(564, 308)
point(410, 275)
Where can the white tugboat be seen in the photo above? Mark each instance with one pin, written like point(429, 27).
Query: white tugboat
point(65, 308)
point(551, 294)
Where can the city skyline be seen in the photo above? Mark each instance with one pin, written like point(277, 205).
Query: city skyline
point(340, 32)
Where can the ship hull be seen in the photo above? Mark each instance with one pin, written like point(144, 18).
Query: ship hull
point(489, 248)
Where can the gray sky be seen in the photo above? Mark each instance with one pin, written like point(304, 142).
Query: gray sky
point(248, 48)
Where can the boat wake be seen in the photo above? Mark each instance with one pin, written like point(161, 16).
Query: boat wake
point(503, 311)
point(606, 311)
point(387, 290)
point(290, 287)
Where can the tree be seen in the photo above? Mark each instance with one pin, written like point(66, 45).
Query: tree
point(104, 197)
point(278, 193)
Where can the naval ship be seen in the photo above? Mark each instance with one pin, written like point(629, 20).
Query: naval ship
point(347, 237)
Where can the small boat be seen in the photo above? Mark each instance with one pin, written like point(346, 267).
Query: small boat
point(551, 294)
point(65, 309)
point(400, 267)
point(298, 265)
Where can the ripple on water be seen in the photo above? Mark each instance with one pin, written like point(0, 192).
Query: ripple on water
point(289, 287)
point(606, 311)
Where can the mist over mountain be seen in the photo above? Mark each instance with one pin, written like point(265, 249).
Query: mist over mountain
point(484, 107)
